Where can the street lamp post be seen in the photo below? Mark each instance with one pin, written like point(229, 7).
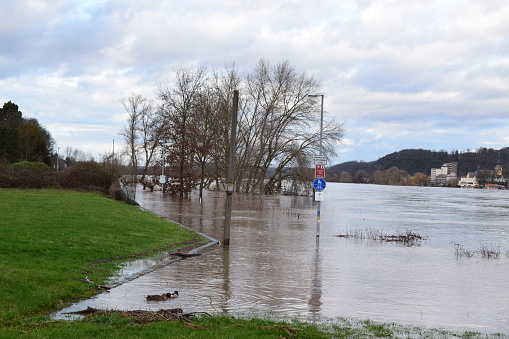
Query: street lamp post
point(162, 179)
point(321, 154)
point(58, 155)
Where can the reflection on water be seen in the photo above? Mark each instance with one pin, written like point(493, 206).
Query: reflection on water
point(275, 263)
point(315, 302)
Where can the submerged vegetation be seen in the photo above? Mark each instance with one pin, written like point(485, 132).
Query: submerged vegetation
point(407, 237)
point(486, 251)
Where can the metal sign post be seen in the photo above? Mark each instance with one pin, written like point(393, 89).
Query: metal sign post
point(319, 185)
point(320, 160)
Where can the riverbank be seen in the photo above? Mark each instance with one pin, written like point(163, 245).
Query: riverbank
point(52, 240)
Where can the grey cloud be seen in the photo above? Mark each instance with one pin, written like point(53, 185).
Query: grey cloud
point(392, 75)
point(403, 65)
point(55, 38)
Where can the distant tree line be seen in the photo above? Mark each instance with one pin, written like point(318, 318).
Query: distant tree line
point(391, 176)
point(416, 162)
point(189, 127)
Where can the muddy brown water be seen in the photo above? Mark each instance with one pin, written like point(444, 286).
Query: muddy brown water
point(276, 264)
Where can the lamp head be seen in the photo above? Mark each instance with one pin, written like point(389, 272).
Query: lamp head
point(313, 94)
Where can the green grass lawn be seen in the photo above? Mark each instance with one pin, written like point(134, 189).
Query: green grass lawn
point(51, 238)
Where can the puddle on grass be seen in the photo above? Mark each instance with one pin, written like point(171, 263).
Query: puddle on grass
point(133, 269)
point(129, 271)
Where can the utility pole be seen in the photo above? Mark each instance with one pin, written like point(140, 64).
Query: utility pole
point(229, 175)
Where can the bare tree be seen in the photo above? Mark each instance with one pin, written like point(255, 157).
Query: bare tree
point(73, 155)
point(392, 176)
point(179, 109)
point(205, 132)
point(221, 86)
point(419, 179)
point(362, 177)
point(151, 128)
point(483, 177)
point(344, 176)
point(142, 132)
point(276, 140)
point(133, 106)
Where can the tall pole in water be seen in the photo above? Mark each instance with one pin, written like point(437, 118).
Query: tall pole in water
point(229, 174)
point(321, 154)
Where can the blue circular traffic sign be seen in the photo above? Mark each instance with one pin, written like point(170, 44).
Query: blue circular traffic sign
point(319, 184)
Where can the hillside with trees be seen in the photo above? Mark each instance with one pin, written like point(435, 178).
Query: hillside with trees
point(415, 161)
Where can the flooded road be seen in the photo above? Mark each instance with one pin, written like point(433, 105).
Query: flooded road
point(276, 264)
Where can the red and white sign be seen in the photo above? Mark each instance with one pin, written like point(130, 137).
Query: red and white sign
point(319, 171)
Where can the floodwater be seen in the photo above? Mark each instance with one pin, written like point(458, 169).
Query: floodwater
point(276, 264)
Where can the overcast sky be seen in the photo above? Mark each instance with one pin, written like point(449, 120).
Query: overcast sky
point(431, 74)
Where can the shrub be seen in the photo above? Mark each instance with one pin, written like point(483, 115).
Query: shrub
point(118, 193)
point(89, 176)
point(26, 175)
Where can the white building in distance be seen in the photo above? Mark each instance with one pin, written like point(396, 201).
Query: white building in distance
point(444, 175)
point(491, 178)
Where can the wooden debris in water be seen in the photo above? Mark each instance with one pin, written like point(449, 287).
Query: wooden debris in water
point(168, 314)
point(88, 281)
point(185, 255)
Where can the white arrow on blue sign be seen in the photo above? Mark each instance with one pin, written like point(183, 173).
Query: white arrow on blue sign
point(319, 184)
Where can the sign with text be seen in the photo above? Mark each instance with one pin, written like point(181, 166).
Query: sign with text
point(321, 160)
point(319, 171)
